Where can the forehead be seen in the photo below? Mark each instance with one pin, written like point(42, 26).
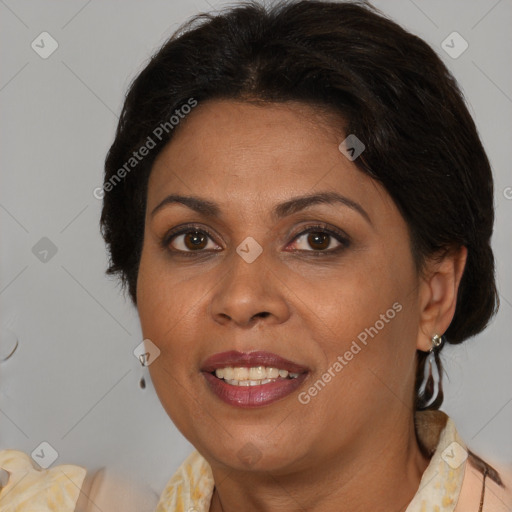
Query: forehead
point(259, 154)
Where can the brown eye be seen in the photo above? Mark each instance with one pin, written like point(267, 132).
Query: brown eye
point(318, 239)
point(195, 240)
point(188, 241)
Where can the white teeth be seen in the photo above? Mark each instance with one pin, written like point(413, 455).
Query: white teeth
point(248, 383)
point(257, 373)
point(255, 376)
point(240, 373)
point(272, 373)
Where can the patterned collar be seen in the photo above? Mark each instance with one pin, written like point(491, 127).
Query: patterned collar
point(191, 488)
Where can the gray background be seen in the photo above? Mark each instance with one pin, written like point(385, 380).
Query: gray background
point(73, 381)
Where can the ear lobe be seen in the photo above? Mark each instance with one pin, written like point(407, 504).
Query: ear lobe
point(438, 294)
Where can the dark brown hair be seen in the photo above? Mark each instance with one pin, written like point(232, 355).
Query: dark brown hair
point(390, 87)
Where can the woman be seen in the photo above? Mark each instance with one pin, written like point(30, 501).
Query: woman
point(300, 207)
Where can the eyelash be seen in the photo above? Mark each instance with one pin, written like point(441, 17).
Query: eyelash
point(340, 236)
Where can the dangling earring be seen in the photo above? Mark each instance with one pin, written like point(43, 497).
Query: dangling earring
point(431, 370)
point(142, 381)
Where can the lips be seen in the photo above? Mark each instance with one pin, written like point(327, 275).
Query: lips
point(250, 359)
point(254, 395)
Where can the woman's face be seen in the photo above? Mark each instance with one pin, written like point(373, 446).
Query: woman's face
point(342, 301)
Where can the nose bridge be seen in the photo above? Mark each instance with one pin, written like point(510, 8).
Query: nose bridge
point(248, 270)
point(248, 289)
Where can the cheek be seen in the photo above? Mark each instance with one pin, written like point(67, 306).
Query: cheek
point(162, 301)
point(164, 309)
point(354, 299)
point(370, 322)
point(171, 312)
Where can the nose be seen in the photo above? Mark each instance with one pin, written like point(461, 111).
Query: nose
point(248, 293)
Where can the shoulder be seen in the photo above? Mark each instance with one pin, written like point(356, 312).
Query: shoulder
point(496, 495)
point(499, 497)
point(108, 490)
point(190, 488)
point(455, 474)
point(26, 486)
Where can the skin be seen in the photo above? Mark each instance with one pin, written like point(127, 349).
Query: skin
point(353, 444)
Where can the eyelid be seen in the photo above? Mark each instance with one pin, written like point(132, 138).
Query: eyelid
point(342, 238)
point(181, 230)
point(321, 225)
point(336, 233)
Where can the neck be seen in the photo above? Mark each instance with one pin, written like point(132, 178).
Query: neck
point(378, 476)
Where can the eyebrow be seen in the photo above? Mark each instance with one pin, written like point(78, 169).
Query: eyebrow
point(289, 207)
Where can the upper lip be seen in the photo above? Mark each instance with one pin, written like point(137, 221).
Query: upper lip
point(250, 359)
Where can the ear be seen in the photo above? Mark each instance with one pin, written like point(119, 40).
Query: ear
point(439, 285)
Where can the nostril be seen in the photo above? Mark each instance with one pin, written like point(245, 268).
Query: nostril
point(263, 314)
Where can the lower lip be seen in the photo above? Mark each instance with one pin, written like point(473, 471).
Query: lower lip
point(253, 396)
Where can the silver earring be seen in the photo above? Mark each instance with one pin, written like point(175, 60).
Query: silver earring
point(431, 370)
point(437, 342)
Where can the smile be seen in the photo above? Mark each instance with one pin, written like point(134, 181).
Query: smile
point(252, 379)
point(254, 376)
